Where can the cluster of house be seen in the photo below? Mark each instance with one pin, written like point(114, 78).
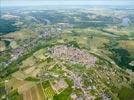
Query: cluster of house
point(16, 53)
point(105, 96)
point(73, 55)
point(56, 28)
point(46, 32)
point(62, 26)
point(75, 97)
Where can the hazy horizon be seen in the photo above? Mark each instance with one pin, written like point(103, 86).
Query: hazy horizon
point(8, 3)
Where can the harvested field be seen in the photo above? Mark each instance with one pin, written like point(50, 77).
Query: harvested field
point(20, 85)
point(25, 87)
point(29, 70)
point(28, 89)
point(35, 93)
point(129, 45)
point(19, 75)
point(34, 70)
point(2, 46)
point(28, 62)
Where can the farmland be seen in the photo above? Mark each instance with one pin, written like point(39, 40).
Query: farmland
point(67, 54)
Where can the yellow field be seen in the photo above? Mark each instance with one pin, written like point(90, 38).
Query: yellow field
point(82, 40)
point(97, 42)
point(19, 75)
point(13, 44)
point(35, 93)
point(36, 57)
point(2, 46)
point(120, 31)
point(34, 70)
point(22, 34)
point(40, 54)
point(29, 90)
point(21, 85)
point(127, 44)
point(34, 64)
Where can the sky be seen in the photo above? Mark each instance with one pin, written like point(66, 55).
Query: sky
point(4, 3)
